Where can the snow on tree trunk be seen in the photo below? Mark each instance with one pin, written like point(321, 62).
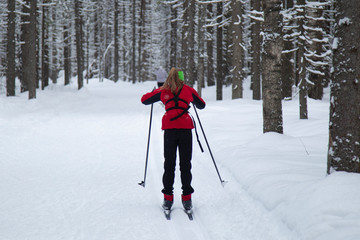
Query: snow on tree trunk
point(271, 75)
point(344, 129)
point(287, 70)
point(301, 71)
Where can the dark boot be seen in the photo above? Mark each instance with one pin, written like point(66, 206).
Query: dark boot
point(168, 201)
point(186, 201)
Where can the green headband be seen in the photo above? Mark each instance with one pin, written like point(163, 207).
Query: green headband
point(181, 75)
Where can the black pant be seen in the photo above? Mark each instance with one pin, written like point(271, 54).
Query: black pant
point(173, 139)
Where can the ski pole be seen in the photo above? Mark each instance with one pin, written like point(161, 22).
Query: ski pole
point(142, 183)
point(212, 157)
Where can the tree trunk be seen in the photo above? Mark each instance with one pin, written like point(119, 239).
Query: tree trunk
point(344, 127)
point(201, 48)
point(133, 65)
point(29, 57)
point(271, 87)
point(173, 39)
point(45, 47)
point(315, 61)
point(67, 50)
point(219, 52)
point(191, 65)
point(10, 71)
point(116, 42)
point(237, 61)
point(54, 55)
point(210, 48)
point(79, 43)
point(256, 47)
point(287, 70)
point(302, 85)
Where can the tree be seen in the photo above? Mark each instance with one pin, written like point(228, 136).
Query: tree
point(210, 46)
point(173, 38)
point(133, 62)
point(271, 75)
point(10, 73)
point(301, 67)
point(29, 56)
point(344, 127)
point(116, 42)
point(201, 48)
point(287, 57)
point(219, 51)
point(45, 46)
point(67, 44)
point(256, 47)
point(237, 61)
point(79, 43)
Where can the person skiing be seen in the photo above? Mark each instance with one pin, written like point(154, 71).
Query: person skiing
point(177, 125)
point(160, 76)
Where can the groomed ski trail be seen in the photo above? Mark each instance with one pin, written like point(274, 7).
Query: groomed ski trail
point(179, 227)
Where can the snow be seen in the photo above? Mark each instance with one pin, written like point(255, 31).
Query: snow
point(71, 161)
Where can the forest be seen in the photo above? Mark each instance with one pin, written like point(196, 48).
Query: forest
point(286, 47)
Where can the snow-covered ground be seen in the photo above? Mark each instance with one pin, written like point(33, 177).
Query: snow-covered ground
point(70, 163)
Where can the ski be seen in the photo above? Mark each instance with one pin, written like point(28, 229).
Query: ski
point(189, 213)
point(167, 214)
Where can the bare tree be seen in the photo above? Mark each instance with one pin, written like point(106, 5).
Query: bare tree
point(271, 75)
point(344, 135)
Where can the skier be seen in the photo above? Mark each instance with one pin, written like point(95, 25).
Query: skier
point(160, 76)
point(177, 126)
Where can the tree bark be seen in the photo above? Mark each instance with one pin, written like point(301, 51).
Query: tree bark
point(237, 61)
point(10, 71)
point(287, 57)
point(271, 87)
point(45, 47)
point(256, 47)
point(219, 52)
point(173, 38)
point(79, 43)
point(302, 85)
point(344, 127)
point(116, 42)
point(210, 48)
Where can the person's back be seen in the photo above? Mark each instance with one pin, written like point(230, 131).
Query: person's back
point(161, 76)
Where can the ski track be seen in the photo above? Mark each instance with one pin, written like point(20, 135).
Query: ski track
point(77, 178)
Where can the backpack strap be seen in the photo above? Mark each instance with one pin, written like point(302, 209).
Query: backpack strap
point(176, 99)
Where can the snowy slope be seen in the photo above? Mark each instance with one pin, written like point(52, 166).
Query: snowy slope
point(70, 162)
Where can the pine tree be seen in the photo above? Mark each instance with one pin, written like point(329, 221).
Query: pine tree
point(344, 134)
point(10, 71)
point(271, 75)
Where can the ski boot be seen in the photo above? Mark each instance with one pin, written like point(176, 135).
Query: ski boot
point(186, 201)
point(168, 202)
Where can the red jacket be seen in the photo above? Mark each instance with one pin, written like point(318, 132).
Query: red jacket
point(176, 116)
